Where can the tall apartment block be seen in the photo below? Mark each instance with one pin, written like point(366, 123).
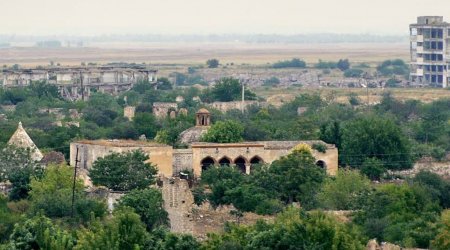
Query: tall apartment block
point(430, 51)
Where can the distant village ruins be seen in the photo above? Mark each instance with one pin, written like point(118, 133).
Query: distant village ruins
point(76, 83)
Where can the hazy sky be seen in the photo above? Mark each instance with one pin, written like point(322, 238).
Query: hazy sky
point(92, 17)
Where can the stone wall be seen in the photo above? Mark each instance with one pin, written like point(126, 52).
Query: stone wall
point(267, 151)
point(161, 109)
point(129, 112)
point(90, 151)
point(182, 160)
point(440, 168)
point(226, 106)
point(178, 202)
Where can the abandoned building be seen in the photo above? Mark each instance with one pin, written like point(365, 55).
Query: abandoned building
point(163, 109)
point(199, 155)
point(430, 51)
point(76, 83)
point(202, 124)
point(21, 139)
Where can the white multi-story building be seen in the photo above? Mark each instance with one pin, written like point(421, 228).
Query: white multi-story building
point(430, 51)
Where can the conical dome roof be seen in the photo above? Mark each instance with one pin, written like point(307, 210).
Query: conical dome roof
point(21, 139)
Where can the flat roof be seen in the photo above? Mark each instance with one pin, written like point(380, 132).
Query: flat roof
point(265, 144)
point(121, 143)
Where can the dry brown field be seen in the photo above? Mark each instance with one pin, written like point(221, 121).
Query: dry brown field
point(198, 53)
point(278, 96)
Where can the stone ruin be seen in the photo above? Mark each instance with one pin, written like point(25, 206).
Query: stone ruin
point(21, 139)
point(129, 112)
point(162, 109)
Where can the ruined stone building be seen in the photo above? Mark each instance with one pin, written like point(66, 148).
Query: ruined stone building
point(21, 139)
point(430, 51)
point(199, 155)
point(77, 82)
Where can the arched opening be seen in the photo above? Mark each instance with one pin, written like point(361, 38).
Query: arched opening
point(207, 163)
point(225, 162)
point(240, 163)
point(256, 160)
point(321, 164)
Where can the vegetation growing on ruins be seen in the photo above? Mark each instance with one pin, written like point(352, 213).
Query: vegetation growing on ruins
point(372, 140)
point(123, 172)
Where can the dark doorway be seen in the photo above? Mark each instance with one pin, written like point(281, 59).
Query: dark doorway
point(224, 162)
point(321, 164)
point(207, 163)
point(256, 160)
point(240, 163)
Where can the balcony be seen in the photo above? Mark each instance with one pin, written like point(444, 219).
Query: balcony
point(419, 38)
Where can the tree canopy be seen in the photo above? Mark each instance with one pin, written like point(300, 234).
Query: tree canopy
point(123, 172)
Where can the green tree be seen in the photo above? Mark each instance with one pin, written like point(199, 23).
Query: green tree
point(294, 63)
point(292, 229)
point(224, 132)
point(228, 89)
point(400, 214)
point(164, 84)
point(354, 99)
point(123, 172)
point(39, 233)
point(353, 72)
point(212, 63)
point(378, 137)
point(145, 123)
point(373, 168)
point(442, 239)
point(123, 231)
point(17, 167)
point(296, 177)
point(438, 187)
point(52, 194)
point(345, 191)
point(148, 203)
point(343, 64)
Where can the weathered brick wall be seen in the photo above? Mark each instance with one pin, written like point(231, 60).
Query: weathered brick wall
point(226, 106)
point(178, 202)
point(182, 160)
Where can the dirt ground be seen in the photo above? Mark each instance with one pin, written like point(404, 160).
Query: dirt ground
point(198, 53)
point(279, 96)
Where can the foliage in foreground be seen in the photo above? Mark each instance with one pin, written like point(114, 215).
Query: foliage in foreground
point(292, 229)
point(123, 172)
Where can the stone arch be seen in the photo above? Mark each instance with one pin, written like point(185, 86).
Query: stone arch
point(240, 163)
point(225, 161)
point(207, 162)
point(321, 164)
point(256, 160)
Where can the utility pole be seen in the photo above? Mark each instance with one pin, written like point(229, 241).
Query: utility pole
point(81, 85)
point(74, 182)
point(243, 97)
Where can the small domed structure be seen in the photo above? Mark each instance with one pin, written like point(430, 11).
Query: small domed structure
point(194, 134)
point(203, 118)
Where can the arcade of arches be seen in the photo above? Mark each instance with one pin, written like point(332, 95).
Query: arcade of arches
point(246, 154)
point(241, 162)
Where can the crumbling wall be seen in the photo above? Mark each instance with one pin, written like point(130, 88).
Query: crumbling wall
point(182, 160)
point(129, 112)
point(440, 168)
point(178, 202)
point(226, 106)
point(161, 109)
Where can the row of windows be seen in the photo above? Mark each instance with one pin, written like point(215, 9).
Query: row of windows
point(434, 68)
point(429, 33)
point(432, 45)
point(431, 57)
point(434, 78)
